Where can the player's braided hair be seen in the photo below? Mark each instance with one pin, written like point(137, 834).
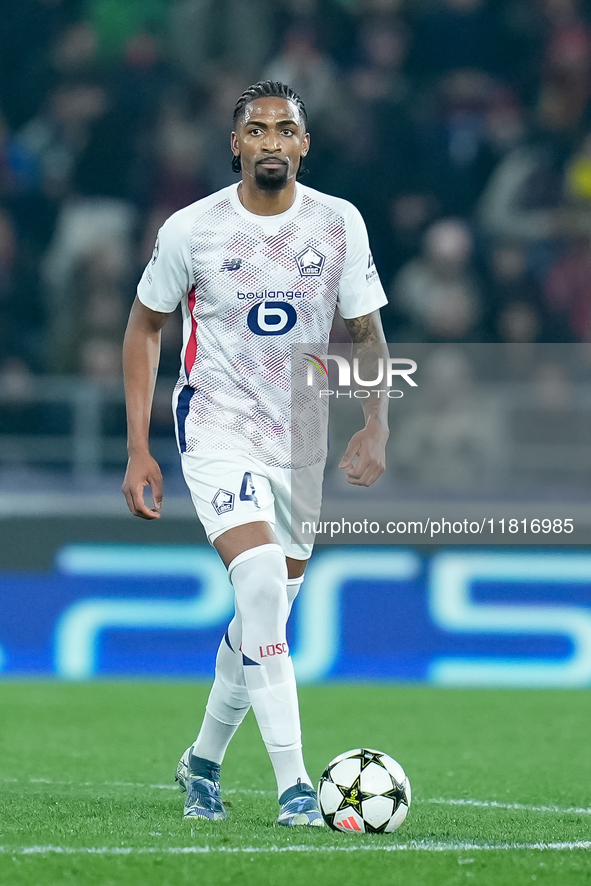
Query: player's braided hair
point(267, 89)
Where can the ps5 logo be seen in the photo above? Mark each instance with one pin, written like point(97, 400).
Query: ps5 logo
point(271, 318)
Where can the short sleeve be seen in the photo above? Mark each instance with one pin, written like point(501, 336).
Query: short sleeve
point(360, 289)
point(167, 277)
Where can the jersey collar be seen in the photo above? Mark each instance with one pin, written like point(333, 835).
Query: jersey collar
point(269, 223)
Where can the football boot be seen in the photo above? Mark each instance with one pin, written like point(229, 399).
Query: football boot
point(299, 807)
point(201, 781)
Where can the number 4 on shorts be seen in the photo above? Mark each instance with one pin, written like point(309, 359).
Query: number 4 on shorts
point(247, 490)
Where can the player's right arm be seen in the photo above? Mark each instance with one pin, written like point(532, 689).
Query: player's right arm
point(141, 356)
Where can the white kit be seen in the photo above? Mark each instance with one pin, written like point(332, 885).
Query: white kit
point(250, 286)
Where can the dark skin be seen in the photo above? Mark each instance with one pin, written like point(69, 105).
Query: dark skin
point(271, 141)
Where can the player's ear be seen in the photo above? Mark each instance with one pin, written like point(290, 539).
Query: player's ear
point(305, 144)
point(234, 144)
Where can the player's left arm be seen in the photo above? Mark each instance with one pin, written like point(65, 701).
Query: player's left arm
point(365, 457)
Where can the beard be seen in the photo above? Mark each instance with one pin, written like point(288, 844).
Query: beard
point(270, 179)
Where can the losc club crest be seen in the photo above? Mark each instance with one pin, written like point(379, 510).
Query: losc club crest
point(223, 501)
point(310, 262)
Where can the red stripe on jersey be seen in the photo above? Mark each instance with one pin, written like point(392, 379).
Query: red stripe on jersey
point(191, 352)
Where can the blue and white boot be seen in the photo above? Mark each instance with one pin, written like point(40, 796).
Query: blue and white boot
point(299, 807)
point(201, 780)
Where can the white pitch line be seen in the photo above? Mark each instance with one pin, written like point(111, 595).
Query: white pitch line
point(440, 801)
point(129, 784)
point(412, 846)
point(495, 804)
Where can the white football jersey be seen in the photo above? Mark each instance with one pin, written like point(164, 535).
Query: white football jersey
point(250, 286)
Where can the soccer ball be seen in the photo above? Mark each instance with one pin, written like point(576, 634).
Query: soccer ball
point(364, 792)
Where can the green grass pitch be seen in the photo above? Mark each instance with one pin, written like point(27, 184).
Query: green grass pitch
point(86, 773)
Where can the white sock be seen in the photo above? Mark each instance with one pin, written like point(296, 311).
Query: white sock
point(286, 763)
point(228, 701)
point(213, 739)
point(293, 589)
point(289, 767)
point(259, 576)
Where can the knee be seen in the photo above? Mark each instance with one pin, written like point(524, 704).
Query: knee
point(263, 595)
point(259, 577)
point(269, 596)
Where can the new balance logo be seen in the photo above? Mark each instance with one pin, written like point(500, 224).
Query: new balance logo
point(231, 264)
point(350, 824)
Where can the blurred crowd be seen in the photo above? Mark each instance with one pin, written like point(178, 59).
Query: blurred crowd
point(460, 128)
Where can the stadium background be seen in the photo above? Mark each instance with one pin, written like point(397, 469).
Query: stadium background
point(461, 130)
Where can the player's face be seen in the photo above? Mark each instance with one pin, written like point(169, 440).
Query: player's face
point(270, 140)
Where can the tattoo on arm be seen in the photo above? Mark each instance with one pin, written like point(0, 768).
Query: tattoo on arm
point(363, 329)
point(368, 338)
point(369, 347)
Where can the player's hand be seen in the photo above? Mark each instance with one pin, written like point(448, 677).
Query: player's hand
point(142, 471)
point(368, 446)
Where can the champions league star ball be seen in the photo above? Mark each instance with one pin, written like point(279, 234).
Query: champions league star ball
point(364, 792)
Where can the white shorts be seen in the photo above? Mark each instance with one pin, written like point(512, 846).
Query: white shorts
point(232, 488)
